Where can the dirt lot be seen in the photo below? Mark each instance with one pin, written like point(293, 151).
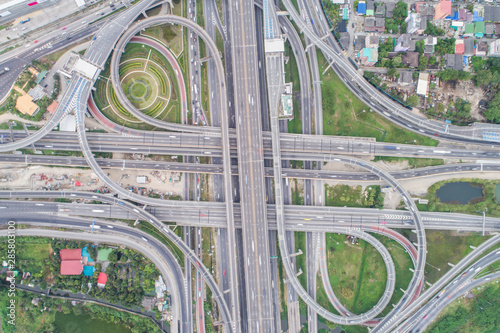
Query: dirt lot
point(464, 90)
point(14, 176)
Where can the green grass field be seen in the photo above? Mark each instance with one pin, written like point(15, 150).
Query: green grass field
point(445, 247)
point(32, 256)
point(357, 272)
point(402, 265)
point(300, 243)
point(160, 108)
point(84, 323)
point(138, 90)
point(344, 114)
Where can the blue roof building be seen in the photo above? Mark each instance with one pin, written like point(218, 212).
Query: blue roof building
point(88, 270)
point(361, 8)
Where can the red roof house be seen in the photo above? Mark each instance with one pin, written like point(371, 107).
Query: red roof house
point(459, 47)
point(70, 254)
point(71, 261)
point(52, 107)
point(71, 267)
point(442, 10)
point(102, 279)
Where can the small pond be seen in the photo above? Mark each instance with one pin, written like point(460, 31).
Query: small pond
point(459, 193)
point(497, 193)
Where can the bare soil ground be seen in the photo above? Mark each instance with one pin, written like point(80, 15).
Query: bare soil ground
point(16, 176)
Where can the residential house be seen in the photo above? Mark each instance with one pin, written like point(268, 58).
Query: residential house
point(453, 16)
point(380, 11)
point(71, 261)
point(345, 40)
point(489, 30)
point(359, 44)
point(494, 48)
point(478, 13)
point(479, 29)
point(36, 93)
point(344, 11)
point(468, 47)
point(454, 61)
point(405, 78)
point(421, 7)
point(25, 105)
point(361, 8)
point(459, 46)
point(413, 21)
point(101, 280)
point(462, 14)
point(469, 30)
point(470, 17)
point(33, 71)
point(373, 24)
point(371, 41)
point(389, 9)
point(429, 13)
point(403, 43)
point(497, 29)
point(491, 13)
point(410, 59)
point(342, 26)
point(442, 9)
point(41, 76)
point(423, 84)
point(431, 40)
point(457, 24)
point(52, 107)
point(429, 49)
point(412, 45)
point(423, 25)
point(369, 57)
point(481, 49)
point(391, 55)
point(370, 8)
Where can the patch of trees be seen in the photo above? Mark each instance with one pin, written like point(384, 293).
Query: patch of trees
point(397, 24)
point(332, 11)
point(385, 48)
point(422, 63)
point(481, 313)
point(412, 100)
point(490, 79)
point(433, 30)
point(445, 46)
point(453, 75)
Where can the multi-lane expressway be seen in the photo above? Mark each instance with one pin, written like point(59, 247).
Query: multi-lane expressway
point(292, 145)
point(304, 148)
point(217, 169)
point(298, 218)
